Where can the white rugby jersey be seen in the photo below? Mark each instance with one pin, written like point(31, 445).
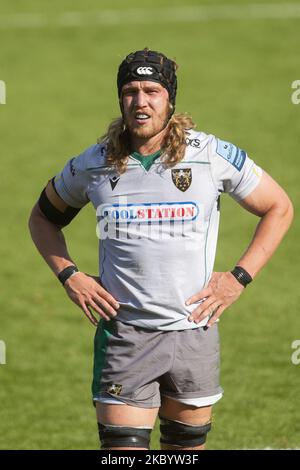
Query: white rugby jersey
point(158, 229)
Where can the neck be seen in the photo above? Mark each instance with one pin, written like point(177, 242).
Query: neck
point(147, 146)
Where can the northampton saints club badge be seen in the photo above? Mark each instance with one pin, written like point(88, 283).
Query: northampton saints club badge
point(114, 389)
point(182, 178)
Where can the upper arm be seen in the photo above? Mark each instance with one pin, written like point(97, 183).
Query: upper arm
point(267, 195)
point(236, 174)
point(54, 198)
point(54, 208)
point(232, 170)
point(66, 193)
point(57, 202)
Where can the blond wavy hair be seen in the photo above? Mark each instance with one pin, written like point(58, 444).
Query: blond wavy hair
point(174, 143)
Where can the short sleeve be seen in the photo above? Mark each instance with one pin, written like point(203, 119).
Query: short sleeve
point(232, 170)
point(72, 182)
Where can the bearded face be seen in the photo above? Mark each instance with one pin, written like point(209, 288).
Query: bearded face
point(145, 108)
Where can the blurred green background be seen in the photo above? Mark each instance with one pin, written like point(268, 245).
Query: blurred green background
point(59, 60)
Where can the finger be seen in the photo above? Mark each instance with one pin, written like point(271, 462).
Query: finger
point(215, 316)
point(89, 314)
point(200, 296)
point(208, 312)
point(108, 297)
point(104, 305)
point(99, 310)
point(203, 306)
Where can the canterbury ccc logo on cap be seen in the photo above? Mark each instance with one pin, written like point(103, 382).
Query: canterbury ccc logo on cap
point(144, 70)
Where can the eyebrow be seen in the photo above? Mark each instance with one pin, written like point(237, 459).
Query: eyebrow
point(148, 87)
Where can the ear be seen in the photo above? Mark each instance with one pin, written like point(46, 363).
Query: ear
point(121, 104)
point(171, 109)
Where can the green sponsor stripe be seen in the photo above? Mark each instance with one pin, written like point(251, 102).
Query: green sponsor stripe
point(104, 331)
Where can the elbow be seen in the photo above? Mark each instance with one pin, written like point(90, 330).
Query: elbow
point(285, 210)
point(290, 212)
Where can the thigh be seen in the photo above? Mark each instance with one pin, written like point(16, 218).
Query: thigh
point(126, 416)
point(188, 414)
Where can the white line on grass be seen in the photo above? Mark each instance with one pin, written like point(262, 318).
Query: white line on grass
point(253, 11)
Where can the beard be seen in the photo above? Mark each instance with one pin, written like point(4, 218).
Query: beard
point(155, 125)
point(147, 133)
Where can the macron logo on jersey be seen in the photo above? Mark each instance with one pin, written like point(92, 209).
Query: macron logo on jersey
point(149, 212)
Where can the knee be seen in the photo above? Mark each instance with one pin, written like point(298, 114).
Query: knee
point(123, 436)
point(176, 433)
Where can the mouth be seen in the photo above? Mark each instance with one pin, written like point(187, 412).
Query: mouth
point(141, 118)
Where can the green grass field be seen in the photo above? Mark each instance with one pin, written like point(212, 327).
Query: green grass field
point(235, 75)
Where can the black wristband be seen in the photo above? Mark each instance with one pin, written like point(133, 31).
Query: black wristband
point(66, 273)
point(242, 275)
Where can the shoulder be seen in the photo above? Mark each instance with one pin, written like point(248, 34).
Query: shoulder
point(196, 146)
point(218, 151)
point(92, 157)
point(197, 140)
point(228, 152)
point(200, 146)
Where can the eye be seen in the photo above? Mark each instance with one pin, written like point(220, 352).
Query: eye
point(128, 92)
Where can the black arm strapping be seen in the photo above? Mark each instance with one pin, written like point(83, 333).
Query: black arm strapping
point(54, 215)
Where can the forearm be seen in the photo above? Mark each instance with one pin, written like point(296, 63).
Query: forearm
point(50, 241)
point(268, 235)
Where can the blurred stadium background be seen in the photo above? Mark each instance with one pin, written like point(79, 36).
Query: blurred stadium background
point(59, 61)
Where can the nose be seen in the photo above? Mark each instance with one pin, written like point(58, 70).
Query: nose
point(140, 99)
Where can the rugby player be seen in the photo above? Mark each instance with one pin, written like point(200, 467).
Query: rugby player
point(155, 183)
